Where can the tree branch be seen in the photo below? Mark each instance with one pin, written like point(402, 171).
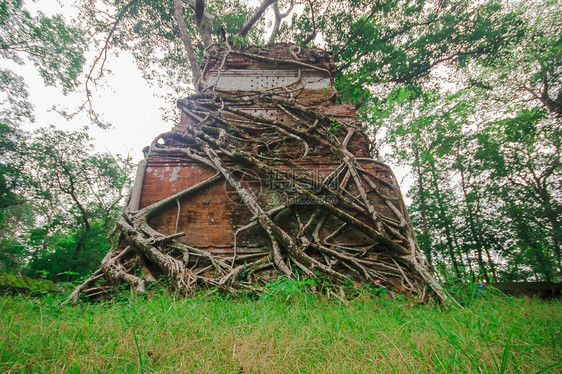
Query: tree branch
point(257, 15)
point(199, 11)
point(188, 44)
point(278, 18)
point(103, 53)
point(550, 104)
point(203, 23)
point(313, 35)
point(356, 32)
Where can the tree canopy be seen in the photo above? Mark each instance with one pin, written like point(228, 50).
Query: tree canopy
point(56, 195)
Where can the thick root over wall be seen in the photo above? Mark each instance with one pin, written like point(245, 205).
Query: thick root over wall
point(227, 138)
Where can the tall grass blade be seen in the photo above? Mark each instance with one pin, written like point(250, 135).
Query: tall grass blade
point(549, 367)
point(505, 355)
point(141, 367)
point(496, 363)
point(388, 360)
point(471, 357)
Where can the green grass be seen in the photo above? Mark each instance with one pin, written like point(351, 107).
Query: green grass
point(292, 334)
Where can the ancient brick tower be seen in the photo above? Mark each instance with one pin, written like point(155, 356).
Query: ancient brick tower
point(266, 175)
point(211, 218)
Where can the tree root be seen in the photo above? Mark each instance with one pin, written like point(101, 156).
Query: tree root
point(310, 241)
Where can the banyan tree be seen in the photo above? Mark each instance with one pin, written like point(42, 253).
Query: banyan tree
point(264, 176)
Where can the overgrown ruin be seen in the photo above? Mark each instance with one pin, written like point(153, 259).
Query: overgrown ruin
point(265, 176)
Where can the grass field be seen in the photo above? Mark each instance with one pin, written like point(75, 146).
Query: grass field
point(285, 333)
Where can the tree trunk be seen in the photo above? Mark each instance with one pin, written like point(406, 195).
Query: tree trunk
point(444, 222)
point(478, 244)
point(421, 192)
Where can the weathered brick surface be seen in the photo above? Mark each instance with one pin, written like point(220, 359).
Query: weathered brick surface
point(204, 217)
point(211, 217)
